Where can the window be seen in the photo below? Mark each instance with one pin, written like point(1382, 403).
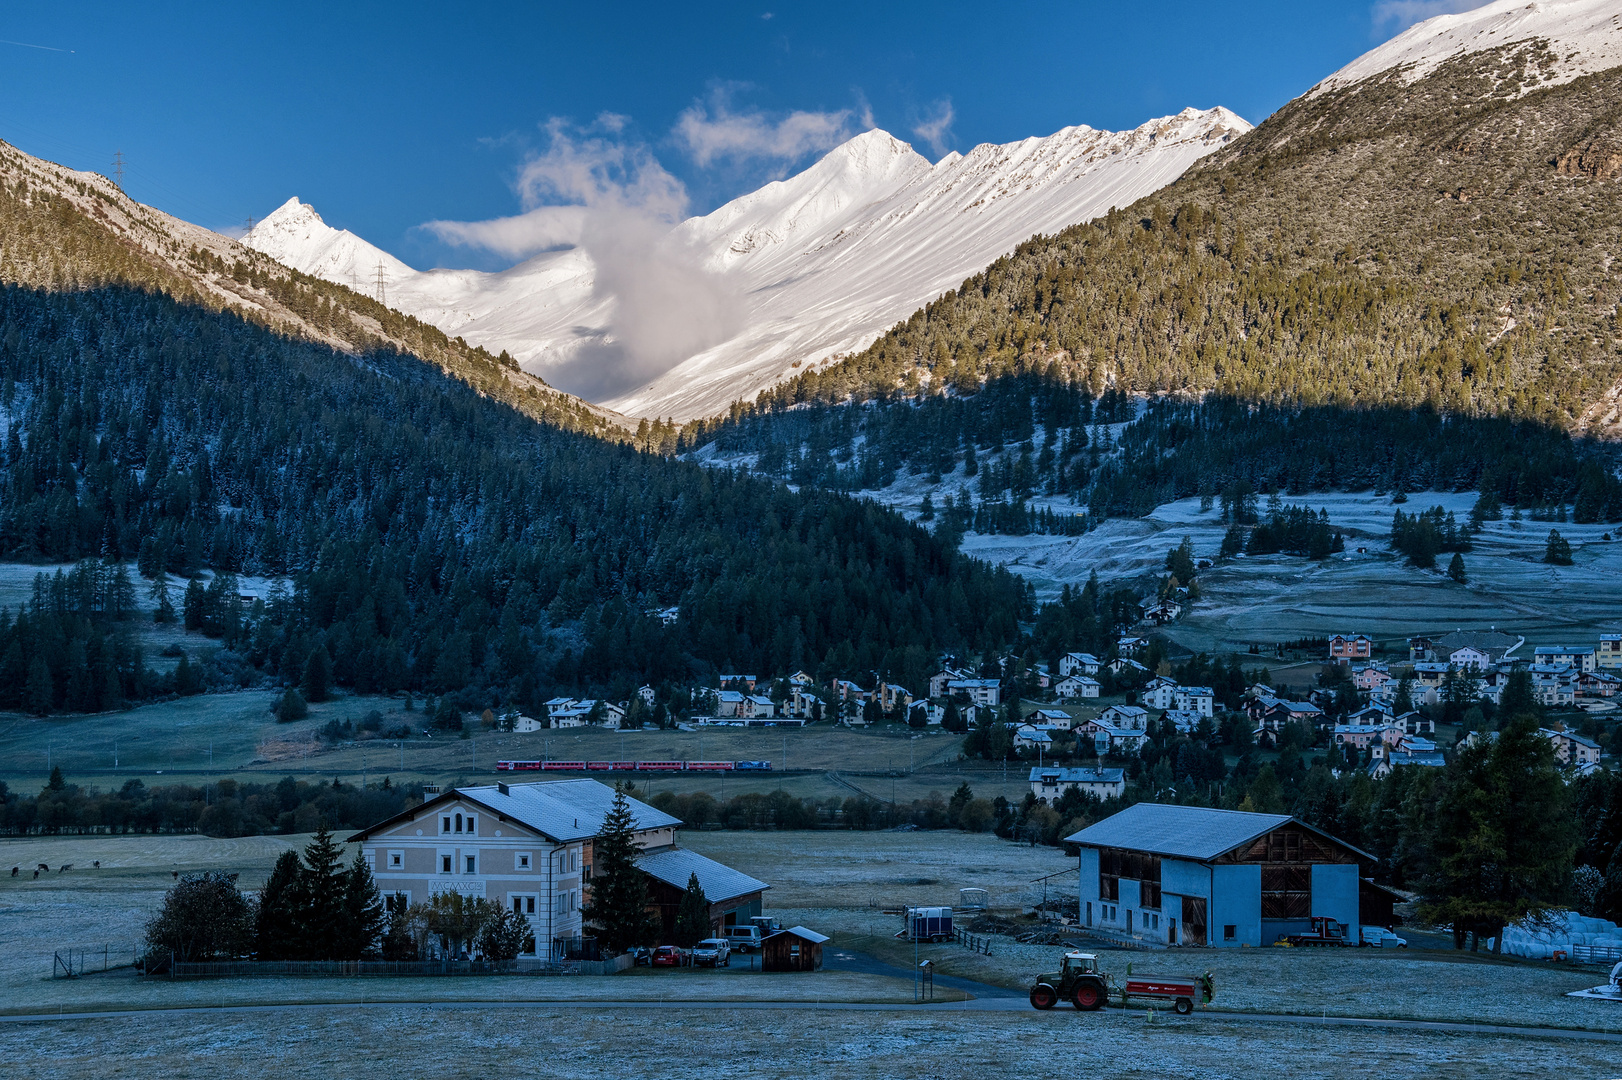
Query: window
point(394, 902)
point(473, 823)
point(396, 860)
point(371, 860)
point(445, 824)
point(1230, 932)
point(1089, 913)
point(458, 822)
point(522, 860)
point(524, 904)
point(444, 864)
point(470, 865)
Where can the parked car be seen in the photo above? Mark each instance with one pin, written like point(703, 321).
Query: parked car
point(712, 952)
point(668, 956)
point(1381, 938)
point(745, 939)
point(641, 956)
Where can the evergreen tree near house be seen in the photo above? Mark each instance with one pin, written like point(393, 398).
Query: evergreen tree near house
point(693, 916)
point(1455, 569)
point(322, 929)
point(1403, 700)
point(364, 920)
point(1501, 838)
point(279, 920)
point(618, 907)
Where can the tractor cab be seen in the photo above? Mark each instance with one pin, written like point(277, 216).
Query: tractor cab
point(1078, 963)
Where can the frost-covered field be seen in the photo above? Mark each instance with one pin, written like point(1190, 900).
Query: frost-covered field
point(722, 1043)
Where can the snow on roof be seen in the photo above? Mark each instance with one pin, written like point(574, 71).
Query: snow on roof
point(801, 932)
point(1054, 775)
point(675, 866)
point(560, 809)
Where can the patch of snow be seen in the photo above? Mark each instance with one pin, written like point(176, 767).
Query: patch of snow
point(1586, 36)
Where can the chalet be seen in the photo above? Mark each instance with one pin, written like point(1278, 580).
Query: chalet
point(845, 690)
point(1122, 665)
point(1571, 748)
point(1159, 693)
point(1469, 658)
point(1125, 716)
point(528, 847)
point(1108, 738)
point(1185, 723)
point(1078, 686)
point(757, 707)
point(1032, 737)
point(1057, 719)
point(647, 694)
point(979, 691)
point(1598, 684)
point(1131, 646)
point(802, 700)
point(1495, 644)
point(1163, 612)
point(1573, 656)
point(1186, 875)
point(1421, 648)
point(1371, 677)
point(800, 678)
point(1198, 699)
point(522, 724)
point(893, 697)
point(1051, 783)
point(938, 683)
point(729, 703)
point(1553, 684)
point(1609, 653)
point(570, 713)
point(1362, 736)
point(1079, 663)
point(1349, 648)
point(1389, 760)
point(666, 615)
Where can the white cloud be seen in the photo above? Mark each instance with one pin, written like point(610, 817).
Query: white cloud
point(1401, 14)
point(936, 129)
point(597, 189)
point(713, 131)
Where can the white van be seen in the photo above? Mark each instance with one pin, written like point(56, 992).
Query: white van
point(1381, 938)
point(745, 939)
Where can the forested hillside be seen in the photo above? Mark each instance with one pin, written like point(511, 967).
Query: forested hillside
point(62, 230)
point(438, 540)
point(1446, 244)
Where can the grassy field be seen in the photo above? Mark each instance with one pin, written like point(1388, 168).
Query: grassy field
point(723, 1044)
point(218, 735)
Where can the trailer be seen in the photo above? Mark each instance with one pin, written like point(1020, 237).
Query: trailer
point(1181, 990)
point(927, 924)
point(1325, 932)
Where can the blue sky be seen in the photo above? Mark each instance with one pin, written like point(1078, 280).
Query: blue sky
point(388, 116)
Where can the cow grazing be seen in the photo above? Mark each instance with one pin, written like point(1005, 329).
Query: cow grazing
point(45, 866)
point(97, 864)
point(65, 867)
point(36, 875)
point(14, 870)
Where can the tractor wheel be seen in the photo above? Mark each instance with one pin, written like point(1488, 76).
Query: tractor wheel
point(1183, 1007)
point(1087, 998)
point(1043, 996)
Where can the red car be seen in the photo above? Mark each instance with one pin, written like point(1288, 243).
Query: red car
point(668, 956)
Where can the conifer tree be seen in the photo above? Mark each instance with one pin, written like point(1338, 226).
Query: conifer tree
point(693, 916)
point(363, 916)
point(322, 923)
point(278, 922)
point(1455, 569)
point(618, 907)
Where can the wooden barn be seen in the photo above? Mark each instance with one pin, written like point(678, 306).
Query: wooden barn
point(794, 949)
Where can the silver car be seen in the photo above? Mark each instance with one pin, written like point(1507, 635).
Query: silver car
point(712, 952)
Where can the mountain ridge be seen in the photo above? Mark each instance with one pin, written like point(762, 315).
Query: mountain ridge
point(824, 261)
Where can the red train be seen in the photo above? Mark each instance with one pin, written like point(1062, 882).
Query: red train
point(633, 766)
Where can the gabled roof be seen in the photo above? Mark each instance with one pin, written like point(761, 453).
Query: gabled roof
point(1187, 832)
point(803, 934)
point(675, 866)
point(1062, 775)
point(561, 810)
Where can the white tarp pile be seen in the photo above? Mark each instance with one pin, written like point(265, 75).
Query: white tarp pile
point(1569, 929)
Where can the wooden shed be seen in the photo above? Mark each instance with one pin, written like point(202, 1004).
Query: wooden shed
point(794, 949)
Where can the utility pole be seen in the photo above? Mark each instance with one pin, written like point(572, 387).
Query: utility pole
point(118, 169)
point(381, 297)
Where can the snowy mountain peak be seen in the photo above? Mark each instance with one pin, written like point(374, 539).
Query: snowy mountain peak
point(1585, 36)
point(817, 264)
point(295, 235)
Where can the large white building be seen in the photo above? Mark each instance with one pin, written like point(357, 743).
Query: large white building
point(528, 847)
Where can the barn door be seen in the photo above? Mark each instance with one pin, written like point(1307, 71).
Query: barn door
point(1193, 920)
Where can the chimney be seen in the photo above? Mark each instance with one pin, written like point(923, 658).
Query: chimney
point(503, 789)
point(429, 791)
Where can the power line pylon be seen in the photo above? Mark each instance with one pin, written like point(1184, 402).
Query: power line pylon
point(118, 169)
point(380, 295)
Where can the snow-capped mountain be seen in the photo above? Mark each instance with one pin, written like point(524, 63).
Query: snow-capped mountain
point(821, 263)
point(1584, 35)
